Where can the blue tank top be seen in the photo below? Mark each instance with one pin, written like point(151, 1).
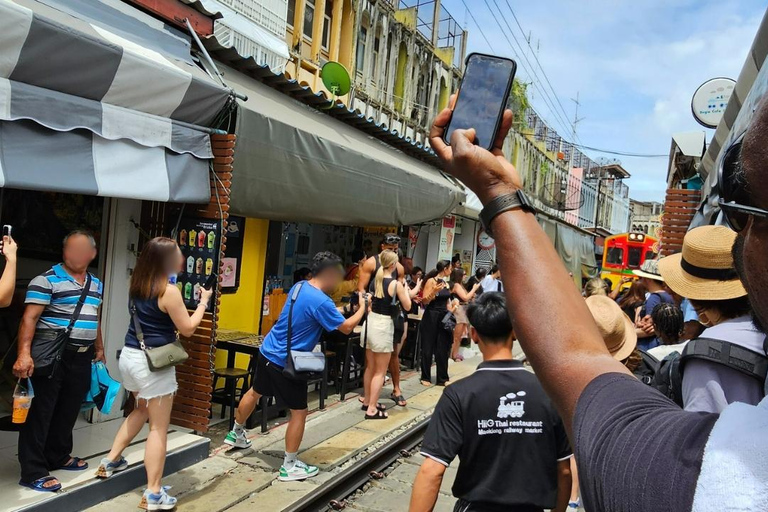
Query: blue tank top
point(158, 328)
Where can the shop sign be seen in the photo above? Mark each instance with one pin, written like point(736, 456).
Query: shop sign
point(447, 235)
point(199, 240)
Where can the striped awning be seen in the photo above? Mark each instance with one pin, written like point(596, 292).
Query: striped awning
point(100, 98)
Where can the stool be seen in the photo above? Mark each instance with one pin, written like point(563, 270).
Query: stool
point(229, 397)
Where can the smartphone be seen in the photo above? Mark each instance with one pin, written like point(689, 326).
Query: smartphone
point(7, 230)
point(212, 280)
point(483, 97)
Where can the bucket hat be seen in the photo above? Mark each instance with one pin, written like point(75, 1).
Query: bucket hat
point(704, 270)
point(615, 327)
point(650, 270)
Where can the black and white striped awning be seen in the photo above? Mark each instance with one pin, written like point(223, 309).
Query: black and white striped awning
point(99, 98)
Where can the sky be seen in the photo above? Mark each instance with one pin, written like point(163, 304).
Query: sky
point(635, 65)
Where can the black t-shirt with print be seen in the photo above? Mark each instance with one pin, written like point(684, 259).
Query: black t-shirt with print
point(636, 450)
point(507, 435)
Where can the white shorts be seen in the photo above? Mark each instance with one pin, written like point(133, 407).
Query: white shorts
point(138, 379)
point(381, 333)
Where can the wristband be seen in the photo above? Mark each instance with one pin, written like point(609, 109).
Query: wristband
point(502, 204)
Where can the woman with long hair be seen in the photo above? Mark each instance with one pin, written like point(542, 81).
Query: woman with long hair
point(436, 340)
point(379, 331)
point(633, 300)
point(161, 314)
point(464, 296)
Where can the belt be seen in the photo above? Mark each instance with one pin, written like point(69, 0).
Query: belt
point(78, 348)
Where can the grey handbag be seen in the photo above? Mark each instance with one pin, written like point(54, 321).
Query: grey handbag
point(159, 358)
point(301, 365)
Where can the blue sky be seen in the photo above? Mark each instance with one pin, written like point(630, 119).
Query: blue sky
point(635, 64)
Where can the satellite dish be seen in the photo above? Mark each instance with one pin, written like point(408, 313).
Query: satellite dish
point(336, 79)
point(710, 99)
point(562, 197)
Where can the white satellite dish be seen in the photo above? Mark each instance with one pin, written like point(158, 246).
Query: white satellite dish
point(710, 100)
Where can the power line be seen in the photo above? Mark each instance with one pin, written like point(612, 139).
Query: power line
point(478, 26)
point(620, 153)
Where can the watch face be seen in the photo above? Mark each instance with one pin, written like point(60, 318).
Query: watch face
point(484, 240)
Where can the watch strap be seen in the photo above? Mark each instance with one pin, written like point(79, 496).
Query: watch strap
point(502, 204)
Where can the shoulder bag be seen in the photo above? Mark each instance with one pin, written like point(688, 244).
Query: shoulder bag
point(48, 349)
point(398, 316)
point(301, 365)
point(159, 358)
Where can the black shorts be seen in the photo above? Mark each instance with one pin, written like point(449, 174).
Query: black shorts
point(268, 380)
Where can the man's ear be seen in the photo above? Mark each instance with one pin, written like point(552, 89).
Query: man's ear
point(473, 335)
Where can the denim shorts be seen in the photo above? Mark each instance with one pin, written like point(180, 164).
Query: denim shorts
point(138, 379)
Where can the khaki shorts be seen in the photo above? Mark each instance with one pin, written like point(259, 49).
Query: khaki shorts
point(381, 333)
point(461, 315)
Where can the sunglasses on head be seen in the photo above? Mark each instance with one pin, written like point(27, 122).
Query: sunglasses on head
point(734, 197)
point(391, 240)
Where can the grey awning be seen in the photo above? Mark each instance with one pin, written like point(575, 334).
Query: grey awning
point(294, 163)
point(100, 98)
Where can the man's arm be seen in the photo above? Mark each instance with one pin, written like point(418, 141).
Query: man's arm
point(365, 273)
point(564, 482)
point(24, 366)
point(8, 280)
point(427, 486)
point(352, 322)
point(98, 354)
point(564, 348)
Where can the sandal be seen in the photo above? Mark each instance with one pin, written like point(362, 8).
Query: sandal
point(39, 484)
point(380, 415)
point(398, 399)
point(379, 407)
point(74, 465)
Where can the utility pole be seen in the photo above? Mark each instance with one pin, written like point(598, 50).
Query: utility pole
point(576, 118)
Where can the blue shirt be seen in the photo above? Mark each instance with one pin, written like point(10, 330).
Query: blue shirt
point(651, 302)
point(689, 314)
point(314, 312)
point(59, 292)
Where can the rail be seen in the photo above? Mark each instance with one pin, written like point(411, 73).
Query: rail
point(355, 476)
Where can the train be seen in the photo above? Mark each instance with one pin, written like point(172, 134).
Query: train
point(626, 252)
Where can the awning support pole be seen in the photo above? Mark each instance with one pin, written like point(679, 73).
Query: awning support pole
point(210, 61)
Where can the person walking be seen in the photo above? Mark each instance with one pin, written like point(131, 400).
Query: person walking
point(379, 331)
point(464, 296)
point(436, 337)
point(59, 337)
point(158, 309)
point(312, 311)
point(704, 273)
point(512, 446)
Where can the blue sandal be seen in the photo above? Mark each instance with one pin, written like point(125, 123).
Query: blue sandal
point(74, 465)
point(39, 484)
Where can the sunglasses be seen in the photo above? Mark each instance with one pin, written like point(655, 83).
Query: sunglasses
point(734, 198)
point(391, 240)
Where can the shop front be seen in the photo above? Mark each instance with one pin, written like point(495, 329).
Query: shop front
point(103, 117)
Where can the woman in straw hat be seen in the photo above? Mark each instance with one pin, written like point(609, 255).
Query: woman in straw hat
point(617, 330)
point(704, 273)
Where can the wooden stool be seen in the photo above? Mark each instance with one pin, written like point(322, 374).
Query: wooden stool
point(229, 397)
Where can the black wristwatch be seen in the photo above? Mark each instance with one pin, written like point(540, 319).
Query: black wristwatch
point(502, 204)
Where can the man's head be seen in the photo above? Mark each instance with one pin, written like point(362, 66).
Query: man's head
point(495, 272)
point(481, 273)
point(489, 321)
point(416, 273)
point(650, 276)
point(750, 251)
point(390, 242)
point(79, 250)
point(327, 271)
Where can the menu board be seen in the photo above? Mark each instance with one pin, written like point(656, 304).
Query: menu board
point(199, 240)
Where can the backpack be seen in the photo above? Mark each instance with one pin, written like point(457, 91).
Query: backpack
point(667, 376)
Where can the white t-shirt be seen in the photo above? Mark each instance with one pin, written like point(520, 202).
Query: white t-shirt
point(491, 284)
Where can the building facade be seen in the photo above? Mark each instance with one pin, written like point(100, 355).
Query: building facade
point(646, 216)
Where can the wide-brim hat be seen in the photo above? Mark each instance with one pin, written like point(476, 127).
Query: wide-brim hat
point(617, 330)
point(705, 269)
point(650, 270)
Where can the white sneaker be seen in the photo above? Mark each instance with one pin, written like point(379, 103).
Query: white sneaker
point(147, 492)
point(160, 501)
point(299, 471)
point(238, 441)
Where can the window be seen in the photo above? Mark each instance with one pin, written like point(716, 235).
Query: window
point(291, 11)
point(615, 256)
point(309, 18)
point(635, 257)
point(361, 38)
point(376, 42)
point(327, 24)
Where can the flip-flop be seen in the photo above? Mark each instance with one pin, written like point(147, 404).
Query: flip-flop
point(380, 407)
point(398, 399)
point(380, 415)
point(73, 465)
point(39, 484)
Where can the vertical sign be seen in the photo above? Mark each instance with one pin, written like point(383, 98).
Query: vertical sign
point(447, 234)
point(199, 240)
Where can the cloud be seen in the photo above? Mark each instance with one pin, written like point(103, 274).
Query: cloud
point(634, 64)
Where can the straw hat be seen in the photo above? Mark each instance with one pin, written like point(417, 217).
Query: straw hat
point(650, 270)
point(615, 327)
point(705, 269)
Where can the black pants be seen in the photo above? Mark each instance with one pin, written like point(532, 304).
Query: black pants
point(45, 440)
point(466, 506)
point(437, 342)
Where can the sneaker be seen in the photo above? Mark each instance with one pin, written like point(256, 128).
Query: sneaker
point(238, 441)
point(108, 467)
point(160, 501)
point(299, 471)
point(143, 502)
point(574, 504)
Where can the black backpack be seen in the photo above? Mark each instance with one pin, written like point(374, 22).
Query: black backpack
point(667, 375)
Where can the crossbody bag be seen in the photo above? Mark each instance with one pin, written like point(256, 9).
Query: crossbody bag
point(159, 358)
point(301, 365)
point(398, 316)
point(47, 350)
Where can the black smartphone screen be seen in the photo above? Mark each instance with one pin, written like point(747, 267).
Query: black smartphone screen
point(212, 279)
point(482, 97)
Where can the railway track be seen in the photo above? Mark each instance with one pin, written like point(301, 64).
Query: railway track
point(331, 495)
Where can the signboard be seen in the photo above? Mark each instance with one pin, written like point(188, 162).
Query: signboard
point(199, 240)
point(710, 100)
point(231, 264)
point(447, 235)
